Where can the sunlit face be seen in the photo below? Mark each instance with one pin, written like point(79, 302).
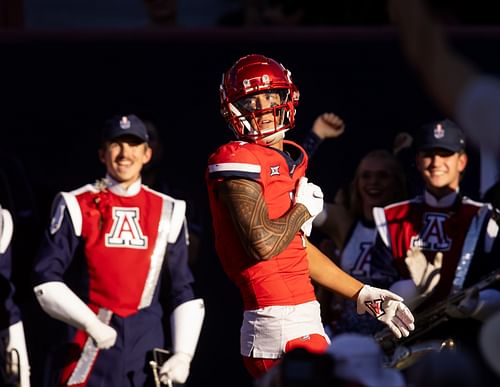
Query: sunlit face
point(263, 101)
point(124, 158)
point(377, 183)
point(441, 169)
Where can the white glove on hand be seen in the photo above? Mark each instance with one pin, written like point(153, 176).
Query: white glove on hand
point(14, 353)
point(386, 307)
point(307, 227)
point(176, 368)
point(59, 301)
point(311, 196)
point(425, 274)
point(103, 335)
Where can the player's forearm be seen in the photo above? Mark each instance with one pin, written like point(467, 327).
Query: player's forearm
point(326, 273)
point(335, 221)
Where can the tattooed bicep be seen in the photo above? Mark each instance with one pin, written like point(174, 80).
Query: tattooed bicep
point(242, 197)
point(261, 237)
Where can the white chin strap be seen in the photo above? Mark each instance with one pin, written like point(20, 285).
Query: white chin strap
point(273, 138)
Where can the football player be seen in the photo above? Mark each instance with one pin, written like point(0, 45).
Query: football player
point(262, 208)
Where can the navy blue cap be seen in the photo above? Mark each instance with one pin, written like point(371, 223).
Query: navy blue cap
point(119, 126)
point(443, 134)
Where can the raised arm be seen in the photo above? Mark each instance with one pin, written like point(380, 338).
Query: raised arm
point(444, 72)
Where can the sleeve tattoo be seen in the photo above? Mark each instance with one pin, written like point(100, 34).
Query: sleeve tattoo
point(261, 237)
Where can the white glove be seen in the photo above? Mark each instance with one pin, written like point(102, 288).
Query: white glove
point(386, 307)
point(425, 274)
point(186, 322)
point(176, 368)
point(15, 353)
point(311, 196)
point(59, 302)
point(307, 227)
point(103, 335)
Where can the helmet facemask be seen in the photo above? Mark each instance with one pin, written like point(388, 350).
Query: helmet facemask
point(254, 122)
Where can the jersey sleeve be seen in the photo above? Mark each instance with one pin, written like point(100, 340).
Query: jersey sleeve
point(311, 143)
point(58, 245)
point(234, 160)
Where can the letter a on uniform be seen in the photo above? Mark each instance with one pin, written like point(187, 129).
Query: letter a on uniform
point(126, 230)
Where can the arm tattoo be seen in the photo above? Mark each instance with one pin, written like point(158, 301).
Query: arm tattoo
point(262, 238)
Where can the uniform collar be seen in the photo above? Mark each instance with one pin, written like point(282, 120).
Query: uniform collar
point(445, 201)
point(115, 187)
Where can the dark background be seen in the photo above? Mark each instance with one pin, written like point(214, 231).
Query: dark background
point(58, 88)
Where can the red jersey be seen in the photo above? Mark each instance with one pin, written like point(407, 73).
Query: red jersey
point(283, 279)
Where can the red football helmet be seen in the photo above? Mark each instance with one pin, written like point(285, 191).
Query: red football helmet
point(251, 76)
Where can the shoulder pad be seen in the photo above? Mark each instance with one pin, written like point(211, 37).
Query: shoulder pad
point(61, 202)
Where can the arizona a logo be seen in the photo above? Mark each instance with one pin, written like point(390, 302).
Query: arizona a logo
point(375, 307)
point(126, 231)
point(362, 263)
point(433, 236)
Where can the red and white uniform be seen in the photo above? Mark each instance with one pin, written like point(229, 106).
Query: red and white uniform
point(278, 296)
point(134, 255)
point(458, 227)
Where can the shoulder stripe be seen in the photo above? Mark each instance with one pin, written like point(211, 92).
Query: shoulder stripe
point(236, 167)
point(177, 220)
point(74, 211)
point(233, 175)
point(6, 230)
point(85, 188)
point(381, 223)
point(415, 200)
point(467, 200)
